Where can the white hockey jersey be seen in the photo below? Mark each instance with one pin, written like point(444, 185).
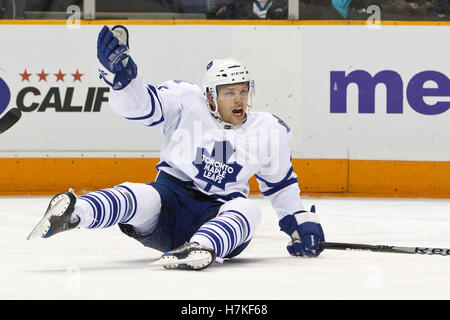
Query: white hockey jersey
point(199, 150)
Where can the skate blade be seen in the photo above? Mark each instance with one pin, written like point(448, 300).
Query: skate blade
point(60, 205)
point(195, 260)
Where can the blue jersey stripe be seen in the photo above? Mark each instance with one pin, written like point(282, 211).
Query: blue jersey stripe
point(162, 164)
point(280, 187)
point(151, 112)
point(228, 197)
point(274, 184)
point(156, 122)
point(155, 92)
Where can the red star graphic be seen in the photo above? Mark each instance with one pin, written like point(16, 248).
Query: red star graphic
point(77, 76)
point(42, 75)
point(60, 76)
point(25, 75)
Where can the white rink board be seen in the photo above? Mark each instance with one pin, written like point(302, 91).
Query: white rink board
point(105, 264)
point(291, 65)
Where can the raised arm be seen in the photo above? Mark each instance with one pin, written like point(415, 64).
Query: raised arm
point(132, 97)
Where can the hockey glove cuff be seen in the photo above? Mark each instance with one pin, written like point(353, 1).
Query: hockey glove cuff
point(305, 231)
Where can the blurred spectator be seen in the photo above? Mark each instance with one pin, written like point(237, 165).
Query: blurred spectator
point(442, 8)
point(390, 9)
point(256, 9)
point(51, 5)
point(12, 9)
point(409, 10)
point(247, 9)
point(203, 6)
point(318, 10)
point(341, 6)
point(138, 6)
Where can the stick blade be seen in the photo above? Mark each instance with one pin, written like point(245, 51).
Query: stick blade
point(9, 119)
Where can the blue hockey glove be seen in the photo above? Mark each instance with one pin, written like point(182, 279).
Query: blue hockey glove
point(305, 231)
point(113, 54)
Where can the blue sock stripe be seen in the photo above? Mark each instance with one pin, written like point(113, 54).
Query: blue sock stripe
point(97, 210)
point(233, 239)
point(129, 206)
point(116, 206)
point(103, 212)
point(230, 239)
point(93, 209)
point(216, 228)
point(246, 223)
point(220, 238)
point(112, 206)
point(237, 234)
point(111, 212)
point(215, 238)
point(231, 225)
point(207, 236)
point(119, 210)
point(125, 200)
point(126, 219)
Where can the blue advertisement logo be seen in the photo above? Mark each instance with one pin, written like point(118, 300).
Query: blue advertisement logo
point(5, 95)
point(415, 91)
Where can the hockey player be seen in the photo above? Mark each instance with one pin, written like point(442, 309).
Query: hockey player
point(197, 210)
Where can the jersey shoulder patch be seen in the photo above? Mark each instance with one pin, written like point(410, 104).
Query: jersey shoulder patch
point(268, 120)
point(281, 122)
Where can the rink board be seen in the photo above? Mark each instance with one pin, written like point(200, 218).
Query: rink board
point(338, 177)
point(368, 116)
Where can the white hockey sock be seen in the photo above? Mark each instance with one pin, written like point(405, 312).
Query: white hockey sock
point(224, 233)
point(128, 203)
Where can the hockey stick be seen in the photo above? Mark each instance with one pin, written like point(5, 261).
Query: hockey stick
point(383, 248)
point(9, 119)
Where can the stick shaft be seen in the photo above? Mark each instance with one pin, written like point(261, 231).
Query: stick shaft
point(383, 248)
point(9, 119)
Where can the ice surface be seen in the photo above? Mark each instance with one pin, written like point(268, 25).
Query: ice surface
point(105, 264)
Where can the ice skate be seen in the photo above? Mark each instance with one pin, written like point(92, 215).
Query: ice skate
point(57, 217)
point(190, 256)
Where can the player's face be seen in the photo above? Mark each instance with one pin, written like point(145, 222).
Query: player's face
point(232, 102)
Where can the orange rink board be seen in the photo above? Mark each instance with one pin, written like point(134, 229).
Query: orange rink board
point(317, 177)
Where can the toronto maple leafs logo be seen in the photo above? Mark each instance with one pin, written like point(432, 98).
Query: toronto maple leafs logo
point(214, 168)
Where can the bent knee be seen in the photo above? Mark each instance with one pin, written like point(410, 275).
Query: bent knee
point(144, 200)
point(246, 207)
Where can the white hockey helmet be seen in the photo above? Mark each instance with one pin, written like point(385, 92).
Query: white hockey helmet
point(225, 71)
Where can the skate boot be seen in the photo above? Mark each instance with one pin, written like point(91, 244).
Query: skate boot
point(57, 217)
point(190, 256)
